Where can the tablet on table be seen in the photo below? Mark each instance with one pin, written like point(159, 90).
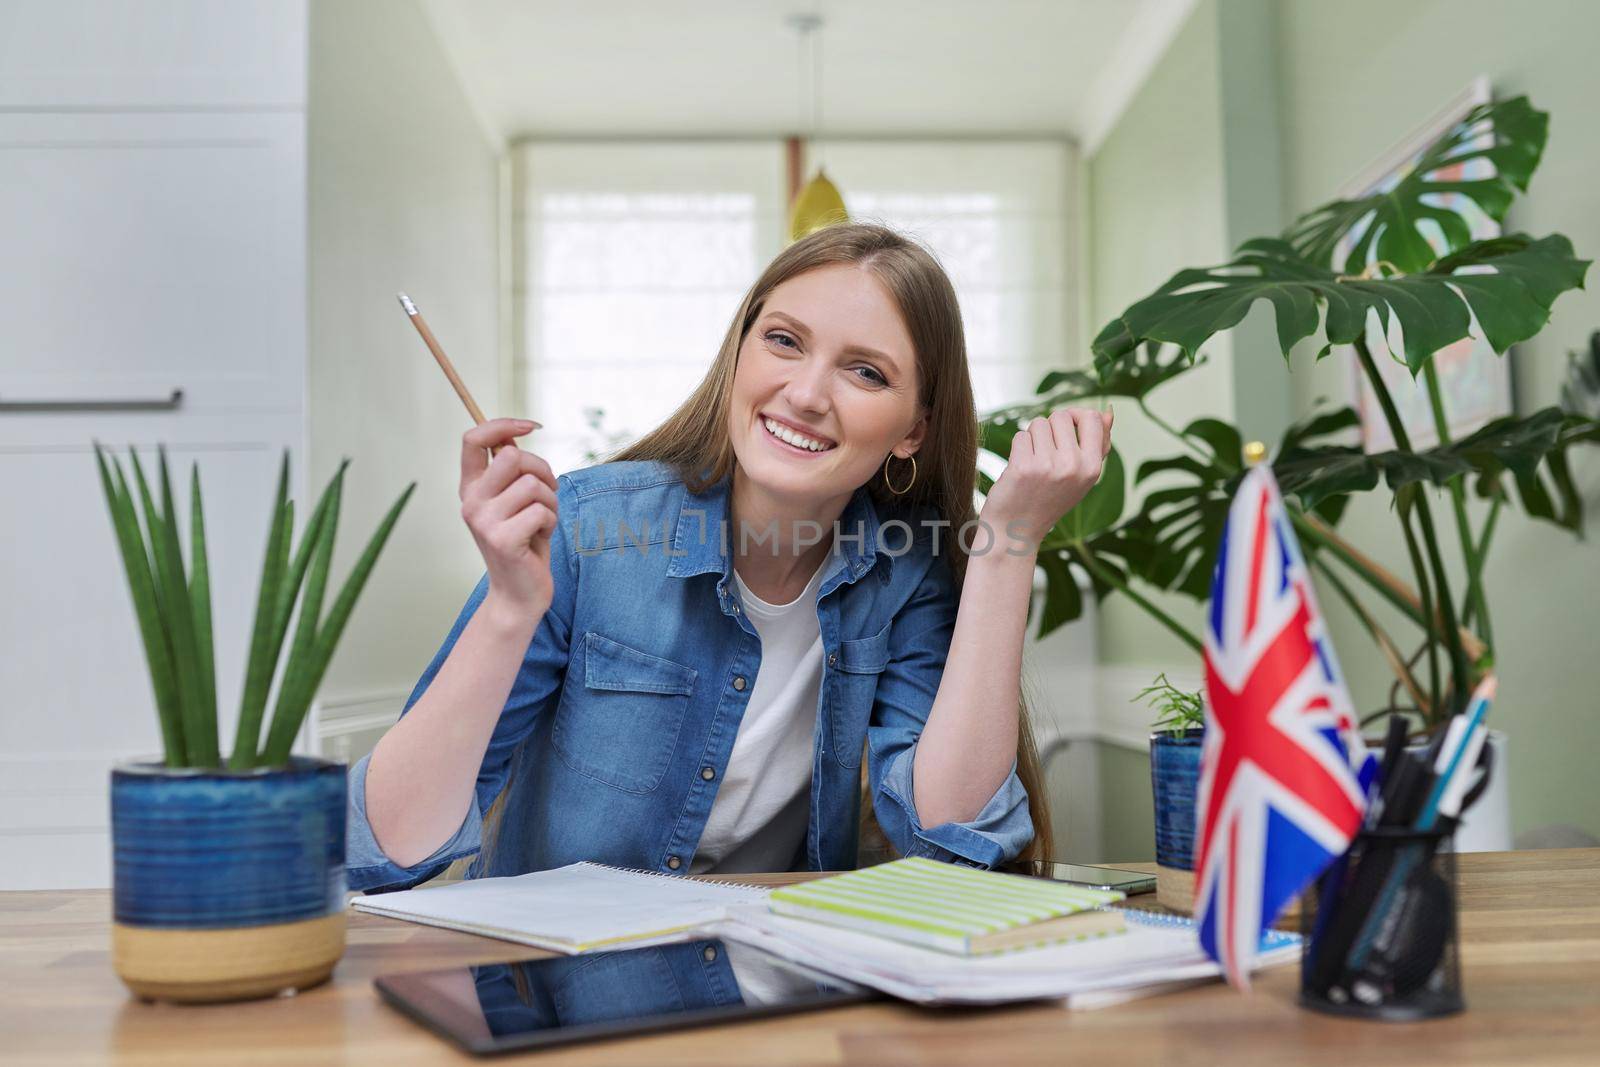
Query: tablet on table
point(503, 1007)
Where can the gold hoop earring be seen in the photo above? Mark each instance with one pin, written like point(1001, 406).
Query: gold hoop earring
point(909, 484)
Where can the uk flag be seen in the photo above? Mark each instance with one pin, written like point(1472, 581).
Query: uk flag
point(1284, 773)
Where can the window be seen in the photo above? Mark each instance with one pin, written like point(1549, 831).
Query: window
point(631, 258)
point(995, 215)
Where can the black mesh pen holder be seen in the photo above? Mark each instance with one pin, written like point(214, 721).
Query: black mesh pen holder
point(1380, 929)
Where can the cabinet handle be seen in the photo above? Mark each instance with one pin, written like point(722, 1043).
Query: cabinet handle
point(171, 403)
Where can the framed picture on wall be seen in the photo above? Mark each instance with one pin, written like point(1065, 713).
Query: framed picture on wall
point(1475, 383)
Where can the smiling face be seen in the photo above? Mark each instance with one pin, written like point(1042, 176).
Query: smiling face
point(829, 366)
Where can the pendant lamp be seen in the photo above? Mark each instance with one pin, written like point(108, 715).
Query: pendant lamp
point(819, 204)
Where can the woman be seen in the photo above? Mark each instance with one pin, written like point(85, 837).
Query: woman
point(679, 660)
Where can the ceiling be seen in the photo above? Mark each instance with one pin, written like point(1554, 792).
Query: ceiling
point(674, 67)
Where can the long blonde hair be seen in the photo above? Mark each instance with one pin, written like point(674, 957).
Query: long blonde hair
point(694, 439)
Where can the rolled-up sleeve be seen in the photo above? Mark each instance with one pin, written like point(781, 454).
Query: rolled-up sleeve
point(367, 865)
point(538, 680)
point(919, 643)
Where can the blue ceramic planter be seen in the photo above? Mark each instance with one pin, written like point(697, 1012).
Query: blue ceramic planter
point(1174, 777)
point(227, 884)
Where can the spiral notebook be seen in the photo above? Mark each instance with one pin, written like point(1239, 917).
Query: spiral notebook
point(570, 909)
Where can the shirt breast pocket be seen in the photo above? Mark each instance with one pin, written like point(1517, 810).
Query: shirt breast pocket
point(621, 725)
point(861, 661)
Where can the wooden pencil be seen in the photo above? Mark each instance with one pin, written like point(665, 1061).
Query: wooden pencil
point(445, 365)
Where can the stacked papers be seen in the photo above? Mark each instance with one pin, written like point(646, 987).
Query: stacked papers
point(1157, 954)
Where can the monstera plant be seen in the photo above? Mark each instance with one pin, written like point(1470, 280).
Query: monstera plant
point(1399, 271)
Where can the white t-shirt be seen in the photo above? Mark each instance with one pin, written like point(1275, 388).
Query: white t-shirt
point(758, 819)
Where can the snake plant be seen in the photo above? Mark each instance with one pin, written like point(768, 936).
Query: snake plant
point(172, 603)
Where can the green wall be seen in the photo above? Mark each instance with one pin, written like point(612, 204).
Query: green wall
point(1358, 76)
point(1127, 806)
point(1156, 201)
point(1170, 187)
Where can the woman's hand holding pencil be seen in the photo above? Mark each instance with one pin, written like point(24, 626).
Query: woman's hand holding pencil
point(509, 504)
point(424, 769)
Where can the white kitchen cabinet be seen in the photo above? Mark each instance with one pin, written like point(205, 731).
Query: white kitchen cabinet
point(153, 289)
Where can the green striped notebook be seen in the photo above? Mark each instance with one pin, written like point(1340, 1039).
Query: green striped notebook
point(955, 909)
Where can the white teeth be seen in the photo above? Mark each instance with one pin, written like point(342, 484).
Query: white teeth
point(782, 432)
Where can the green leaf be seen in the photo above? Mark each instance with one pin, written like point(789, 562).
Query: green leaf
point(1151, 366)
point(1320, 424)
point(199, 731)
point(263, 657)
point(286, 726)
point(1107, 555)
point(141, 587)
point(1224, 441)
point(1508, 283)
point(1179, 530)
point(1392, 226)
point(200, 606)
point(152, 519)
point(1185, 464)
point(1135, 377)
point(1517, 445)
point(1063, 600)
point(1315, 474)
point(1530, 451)
point(298, 669)
point(302, 557)
point(1179, 709)
point(291, 575)
point(1181, 525)
point(344, 604)
point(173, 597)
point(1533, 451)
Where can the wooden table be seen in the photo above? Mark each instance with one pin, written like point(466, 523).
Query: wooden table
point(1530, 946)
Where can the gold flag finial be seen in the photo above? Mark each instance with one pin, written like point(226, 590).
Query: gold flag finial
point(1254, 453)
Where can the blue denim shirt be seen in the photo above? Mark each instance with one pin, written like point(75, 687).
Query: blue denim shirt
point(621, 719)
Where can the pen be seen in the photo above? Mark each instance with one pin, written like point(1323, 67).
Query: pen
point(1393, 752)
point(1474, 716)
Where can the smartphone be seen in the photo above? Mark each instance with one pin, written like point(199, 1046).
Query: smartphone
point(1129, 882)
